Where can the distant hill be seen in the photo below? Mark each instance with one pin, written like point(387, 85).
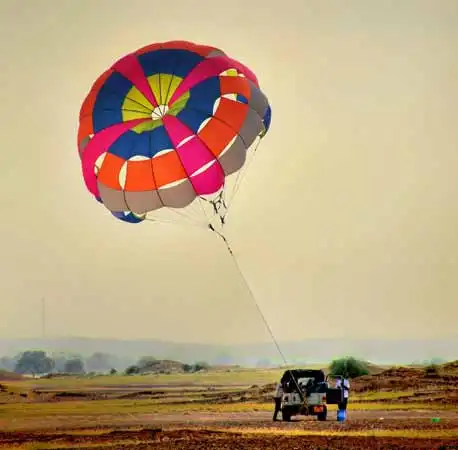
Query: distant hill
point(162, 366)
point(262, 355)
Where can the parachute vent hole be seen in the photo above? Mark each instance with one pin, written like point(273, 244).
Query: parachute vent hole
point(159, 112)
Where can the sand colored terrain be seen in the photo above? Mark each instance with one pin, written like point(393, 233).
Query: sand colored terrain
point(398, 408)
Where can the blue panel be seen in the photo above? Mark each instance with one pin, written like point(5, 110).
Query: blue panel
point(105, 118)
point(108, 100)
point(204, 95)
point(113, 101)
point(141, 146)
point(124, 145)
point(159, 140)
point(242, 99)
point(107, 107)
point(127, 217)
point(116, 85)
point(178, 62)
point(192, 118)
point(145, 144)
point(267, 118)
point(199, 107)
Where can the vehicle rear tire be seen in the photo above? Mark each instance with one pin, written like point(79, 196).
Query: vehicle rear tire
point(286, 415)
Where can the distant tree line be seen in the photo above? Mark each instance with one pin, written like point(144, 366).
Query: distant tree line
point(36, 362)
point(39, 362)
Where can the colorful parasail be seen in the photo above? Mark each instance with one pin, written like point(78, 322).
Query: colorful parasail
point(166, 125)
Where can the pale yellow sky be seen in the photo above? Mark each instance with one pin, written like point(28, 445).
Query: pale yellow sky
point(349, 209)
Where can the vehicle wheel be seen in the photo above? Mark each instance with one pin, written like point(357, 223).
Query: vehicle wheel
point(322, 416)
point(286, 415)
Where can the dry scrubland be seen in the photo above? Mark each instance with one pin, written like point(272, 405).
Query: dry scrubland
point(391, 408)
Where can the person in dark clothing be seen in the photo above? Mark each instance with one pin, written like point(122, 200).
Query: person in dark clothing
point(277, 398)
point(345, 385)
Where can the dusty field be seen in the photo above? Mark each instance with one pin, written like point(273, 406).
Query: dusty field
point(363, 430)
point(391, 410)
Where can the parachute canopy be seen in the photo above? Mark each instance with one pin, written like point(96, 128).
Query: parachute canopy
point(167, 124)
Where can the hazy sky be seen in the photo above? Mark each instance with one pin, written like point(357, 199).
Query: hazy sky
point(350, 208)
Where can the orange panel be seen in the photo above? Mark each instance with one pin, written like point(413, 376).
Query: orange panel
point(216, 135)
point(109, 172)
point(148, 48)
point(231, 112)
point(178, 45)
point(139, 176)
point(167, 168)
point(85, 129)
point(203, 50)
point(235, 85)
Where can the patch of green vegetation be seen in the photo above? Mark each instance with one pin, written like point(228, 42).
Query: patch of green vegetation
point(348, 367)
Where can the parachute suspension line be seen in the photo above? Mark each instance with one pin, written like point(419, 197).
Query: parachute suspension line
point(188, 217)
point(196, 213)
point(219, 209)
point(179, 218)
point(201, 203)
point(222, 202)
point(245, 282)
point(241, 174)
point(158, 221)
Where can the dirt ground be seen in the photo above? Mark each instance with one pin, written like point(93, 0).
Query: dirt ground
point(232, 431)
point(365, 428)
point(207, 439)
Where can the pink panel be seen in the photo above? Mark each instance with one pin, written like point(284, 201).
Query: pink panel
point(210, 181)
point(176, 129)
point(209, 68)
point(194, 155)
point(130, 68)
point(245, 70)
point(99, 144)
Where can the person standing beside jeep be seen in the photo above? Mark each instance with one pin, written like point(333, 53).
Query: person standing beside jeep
point(344, 384)
point(277, 398)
